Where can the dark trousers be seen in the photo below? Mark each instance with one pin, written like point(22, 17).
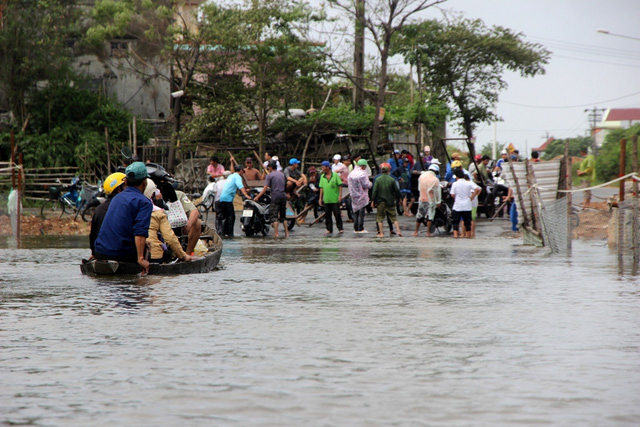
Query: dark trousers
point(332, 209)
point(358, 219)
point(219, 218)
point(229, 216)
point(465, 216)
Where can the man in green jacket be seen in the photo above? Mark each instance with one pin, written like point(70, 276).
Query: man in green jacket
point(587, 173)
point(386, 194)
point(330, 196)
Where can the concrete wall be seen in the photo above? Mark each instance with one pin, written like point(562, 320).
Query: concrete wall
point(146, 94)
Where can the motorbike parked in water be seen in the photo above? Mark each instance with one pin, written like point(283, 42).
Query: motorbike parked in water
point(255, 215)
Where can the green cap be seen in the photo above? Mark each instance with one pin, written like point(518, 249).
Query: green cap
point(137, 171)
point(362, 162)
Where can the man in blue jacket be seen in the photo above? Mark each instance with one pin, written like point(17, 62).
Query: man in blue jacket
point(124, 231)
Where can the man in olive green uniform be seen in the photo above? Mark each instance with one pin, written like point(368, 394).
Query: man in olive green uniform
point(587, 173)
point(386, 194)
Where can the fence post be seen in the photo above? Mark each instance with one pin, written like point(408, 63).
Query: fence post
point(623, 160)
point(634, 211)
point(568, 183)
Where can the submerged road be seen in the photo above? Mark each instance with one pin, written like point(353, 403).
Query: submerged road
point(341, 331)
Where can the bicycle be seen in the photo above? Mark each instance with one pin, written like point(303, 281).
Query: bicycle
point(58, 203)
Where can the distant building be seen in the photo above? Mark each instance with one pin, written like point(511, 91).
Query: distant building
point(544, 146)
point(615, 118)
point(142, 87)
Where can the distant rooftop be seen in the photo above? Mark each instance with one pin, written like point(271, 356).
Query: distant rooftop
point(622, 114)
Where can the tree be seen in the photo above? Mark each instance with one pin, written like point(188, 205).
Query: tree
point(168, 43)
point(383, 19)
point(463, 61)
point(32, 47)
point(608, 155)
point(262, 42)
point(576, 145)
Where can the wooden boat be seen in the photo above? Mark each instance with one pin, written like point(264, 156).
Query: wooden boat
point(202, 264)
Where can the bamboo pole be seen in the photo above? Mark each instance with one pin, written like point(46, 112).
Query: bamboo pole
point(623, 161)
point(106, 141)
point(569, 195)
point(634, 204)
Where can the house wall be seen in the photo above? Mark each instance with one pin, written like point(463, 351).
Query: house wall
point(146, 94)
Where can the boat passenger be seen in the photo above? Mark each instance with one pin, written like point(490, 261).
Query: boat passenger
point(160, 231)
point(125, 228)
point(112, 186)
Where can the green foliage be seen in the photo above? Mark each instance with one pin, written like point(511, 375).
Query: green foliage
point(32, 47)
point(608, 156)
point(556, 147)
point(487, 149)
point(67, 129)
point(463, 62)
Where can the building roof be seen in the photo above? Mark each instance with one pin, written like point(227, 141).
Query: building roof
point(622, 114)
point(544, 146)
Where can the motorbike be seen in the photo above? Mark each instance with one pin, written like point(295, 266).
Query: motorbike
point(91, 197)
point(442, 218)
point(255, 215)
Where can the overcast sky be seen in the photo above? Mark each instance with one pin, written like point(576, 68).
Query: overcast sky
point(587, 69)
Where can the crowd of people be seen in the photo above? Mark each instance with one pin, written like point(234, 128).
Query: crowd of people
point(140, 207)
point(404, 185)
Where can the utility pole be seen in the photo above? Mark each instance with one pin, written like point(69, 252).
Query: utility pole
point(358, 58)
point(594, 118)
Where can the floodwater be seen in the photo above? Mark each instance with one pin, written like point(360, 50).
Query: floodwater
point(342, 331)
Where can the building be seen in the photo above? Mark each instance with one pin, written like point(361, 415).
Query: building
point(615, 118)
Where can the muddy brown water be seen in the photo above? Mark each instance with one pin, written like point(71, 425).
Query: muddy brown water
point(328, 332)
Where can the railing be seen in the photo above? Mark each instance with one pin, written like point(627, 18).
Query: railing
point(36, 181)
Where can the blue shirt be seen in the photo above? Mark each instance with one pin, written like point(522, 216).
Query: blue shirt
point(232, 184)
point(129, 215)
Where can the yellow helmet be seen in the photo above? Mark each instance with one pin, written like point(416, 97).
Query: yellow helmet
point(113, 181)
point(456, 164)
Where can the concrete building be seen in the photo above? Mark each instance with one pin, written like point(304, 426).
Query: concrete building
point(616, 118)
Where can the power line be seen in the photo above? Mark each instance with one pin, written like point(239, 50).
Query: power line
point(570, 106)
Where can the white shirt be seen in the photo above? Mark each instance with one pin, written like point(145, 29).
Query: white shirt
point(211, 188)
point(278, 167)
point(462, 190)
point(219, 186)
point(474, 202)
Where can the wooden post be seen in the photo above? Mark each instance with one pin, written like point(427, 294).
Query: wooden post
point(520, 198)
point(19, 205)
point(535, 214)
point(13, 160)
point(568, 179)
point(106, 142)
point(135, 136)
point(623, 160)
point(634, 212)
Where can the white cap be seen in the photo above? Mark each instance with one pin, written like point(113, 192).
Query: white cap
point(427, 148)
point(275, 158)
point(337, 157)
point(151, 189)
point(435, 162)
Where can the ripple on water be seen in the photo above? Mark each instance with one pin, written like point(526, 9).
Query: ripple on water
point(329, 332)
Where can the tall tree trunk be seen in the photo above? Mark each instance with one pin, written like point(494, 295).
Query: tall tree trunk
point(382, 87)
point(358, 58)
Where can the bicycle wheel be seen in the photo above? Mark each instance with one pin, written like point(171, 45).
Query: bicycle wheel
point(52, 208)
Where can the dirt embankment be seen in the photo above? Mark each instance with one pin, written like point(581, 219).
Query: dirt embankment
point(34, 226)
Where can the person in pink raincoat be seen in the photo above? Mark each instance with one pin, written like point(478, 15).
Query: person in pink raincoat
point(359, 185)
